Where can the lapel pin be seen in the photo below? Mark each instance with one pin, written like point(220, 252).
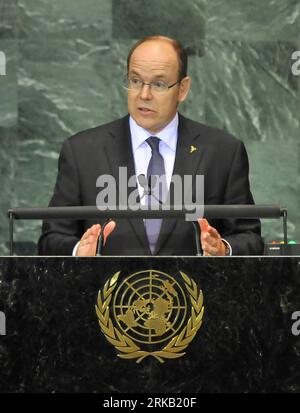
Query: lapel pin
point(193, 149)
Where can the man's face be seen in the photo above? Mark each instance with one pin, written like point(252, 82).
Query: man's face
point(151, 61)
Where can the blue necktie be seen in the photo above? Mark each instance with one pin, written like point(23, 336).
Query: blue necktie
point(156, 168)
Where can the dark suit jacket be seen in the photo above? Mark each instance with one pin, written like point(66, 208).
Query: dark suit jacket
point(221, 158)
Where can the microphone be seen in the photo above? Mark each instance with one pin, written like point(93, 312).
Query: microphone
point(152, 183)
point(144, 184)
point(148, 186)
point(197, 238)
point(100, 240)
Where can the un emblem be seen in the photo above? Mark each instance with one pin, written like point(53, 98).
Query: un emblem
point(150, 309)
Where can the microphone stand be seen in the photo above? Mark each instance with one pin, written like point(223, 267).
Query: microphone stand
point(100, 240)
point(197, 238)
point(147, 187)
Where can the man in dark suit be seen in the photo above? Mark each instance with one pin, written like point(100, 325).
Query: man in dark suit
point(153, 137)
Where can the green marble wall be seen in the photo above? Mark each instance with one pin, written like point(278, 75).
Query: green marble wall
point(65, 60)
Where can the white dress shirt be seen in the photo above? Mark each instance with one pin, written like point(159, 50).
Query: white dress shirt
point(142, 151)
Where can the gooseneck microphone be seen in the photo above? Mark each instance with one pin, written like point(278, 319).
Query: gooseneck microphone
point(100, 241)
point(148, 186)
point(144, 184)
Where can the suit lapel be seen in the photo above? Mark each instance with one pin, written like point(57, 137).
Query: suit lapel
point(119, 153)
point(187, 160)
point(118, 148)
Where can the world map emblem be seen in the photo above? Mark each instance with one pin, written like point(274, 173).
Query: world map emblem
point(150, 313)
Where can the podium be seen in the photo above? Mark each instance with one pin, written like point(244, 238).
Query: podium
point(244, 343)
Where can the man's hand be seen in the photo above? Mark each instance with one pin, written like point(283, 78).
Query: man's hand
point(211, 241)
point(88, 242)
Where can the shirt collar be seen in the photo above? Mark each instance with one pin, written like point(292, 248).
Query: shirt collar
point(168, 135)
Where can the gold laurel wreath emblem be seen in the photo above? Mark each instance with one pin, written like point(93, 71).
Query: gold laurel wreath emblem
point(128, 349)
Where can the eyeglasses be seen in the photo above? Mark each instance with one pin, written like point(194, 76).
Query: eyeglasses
point(159, 86)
